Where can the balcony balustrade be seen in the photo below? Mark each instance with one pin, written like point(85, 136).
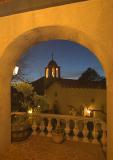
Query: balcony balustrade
point(76, 128)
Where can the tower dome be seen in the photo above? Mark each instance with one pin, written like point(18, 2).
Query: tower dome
point(52, 70)
point(52, 63)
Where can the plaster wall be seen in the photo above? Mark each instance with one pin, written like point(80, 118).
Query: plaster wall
point(89, 23)
point(76, 97)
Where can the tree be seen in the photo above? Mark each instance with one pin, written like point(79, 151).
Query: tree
point(90, 75)
point(40, 101)
point(26, 97)
point(26, 90)
point(16, 100)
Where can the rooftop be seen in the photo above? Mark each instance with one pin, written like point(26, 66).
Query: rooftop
point(52, 63)
point(41, 84)
point(71, 83)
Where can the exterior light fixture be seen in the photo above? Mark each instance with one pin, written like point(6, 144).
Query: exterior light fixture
point(15, 71)
point(30, 111)
point(87, 112)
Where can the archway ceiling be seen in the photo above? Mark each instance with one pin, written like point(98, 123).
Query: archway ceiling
point(9, 7)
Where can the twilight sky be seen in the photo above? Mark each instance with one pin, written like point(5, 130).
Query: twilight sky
point(71, 57)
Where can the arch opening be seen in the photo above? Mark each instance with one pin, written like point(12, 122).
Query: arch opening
point(37, 35)
point(28, 39)
point(88, 102)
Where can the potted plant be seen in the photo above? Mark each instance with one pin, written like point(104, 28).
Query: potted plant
point(58, 135)
point(20, 128)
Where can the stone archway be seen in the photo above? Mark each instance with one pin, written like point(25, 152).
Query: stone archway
point(18, 47)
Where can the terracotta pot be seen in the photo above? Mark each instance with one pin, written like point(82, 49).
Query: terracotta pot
point(58, 137)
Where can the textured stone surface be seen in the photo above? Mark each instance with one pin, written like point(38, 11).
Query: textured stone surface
point(44, 148)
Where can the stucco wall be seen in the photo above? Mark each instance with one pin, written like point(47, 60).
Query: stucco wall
point(89, 23)
point(76, 97)
point(88, 17)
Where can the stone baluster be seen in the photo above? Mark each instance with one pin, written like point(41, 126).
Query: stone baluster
point(58, 123)
point(49, 128)
point(42, 128)
point(85, 132)
point(75, 130)
point(67, 130)
point(34, 127)
point(104, 136)
point(95, 134)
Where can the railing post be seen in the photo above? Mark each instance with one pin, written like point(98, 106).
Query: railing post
point(67, 130)
point(95, 134)
point(58, 123)
point(34, 127)
point(75, 130)
point(49, 128)
point(85, 132)
point(42, 128)
point(104, 136)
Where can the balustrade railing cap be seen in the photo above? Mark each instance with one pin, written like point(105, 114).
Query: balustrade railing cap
point(59, 116)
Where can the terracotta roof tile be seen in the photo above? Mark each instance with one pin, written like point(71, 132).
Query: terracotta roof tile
point(70, 83)
point(41, 84)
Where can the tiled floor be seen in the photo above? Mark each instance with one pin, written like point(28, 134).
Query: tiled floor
point(43, 148)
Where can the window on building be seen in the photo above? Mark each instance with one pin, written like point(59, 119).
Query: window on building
point(57, 72)
point(53, 72)
point(47, 72)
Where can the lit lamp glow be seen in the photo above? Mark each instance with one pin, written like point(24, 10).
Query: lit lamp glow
point(15, 71)
point(38, 108)
point(87, 112)
point(30, 111)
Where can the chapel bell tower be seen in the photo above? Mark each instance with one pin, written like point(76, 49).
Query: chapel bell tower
point(52, 70)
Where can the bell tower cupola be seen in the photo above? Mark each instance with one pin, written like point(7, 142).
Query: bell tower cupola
point(52, 70)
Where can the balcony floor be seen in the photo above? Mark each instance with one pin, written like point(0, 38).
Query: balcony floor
point(43, 148)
